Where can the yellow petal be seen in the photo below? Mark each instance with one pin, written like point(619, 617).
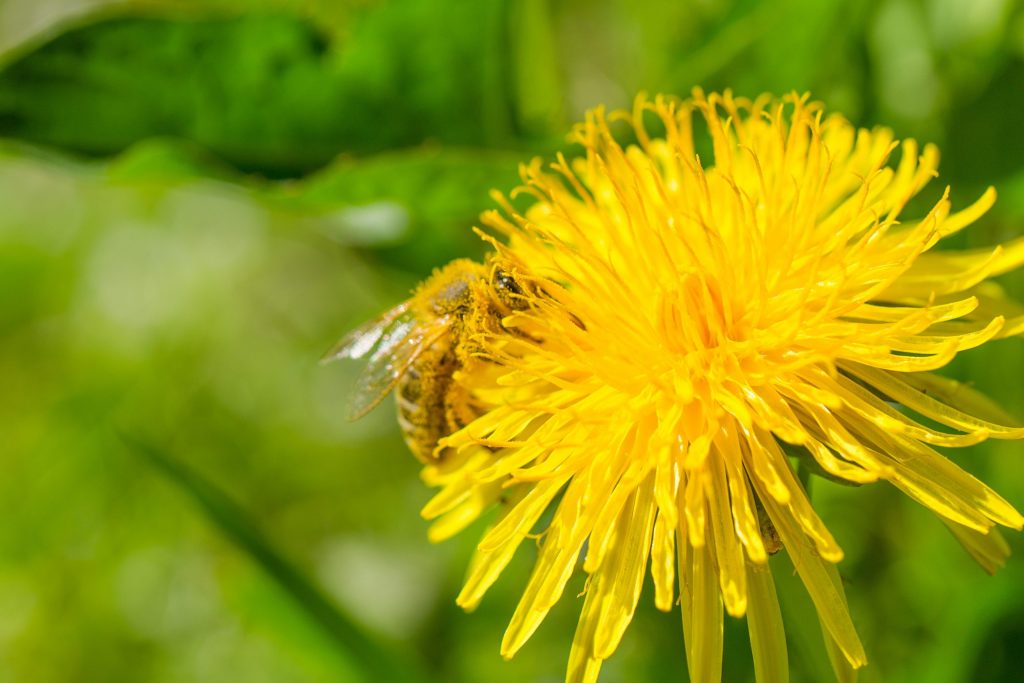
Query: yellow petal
point(558, 554)
point(499, 544)
point(701, 608)
point(917, 392)
point(468, 511)
point(583, 665)
point(843, 666)
point(728, 550)
point(816, 574)
point(623, 574)
point(989, 550)
point(764, 620)
point(663, 560)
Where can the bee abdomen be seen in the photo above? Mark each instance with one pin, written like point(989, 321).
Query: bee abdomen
point(420, 396)
point(407, 394)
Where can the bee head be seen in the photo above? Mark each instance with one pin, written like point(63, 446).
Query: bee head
point(508, 291)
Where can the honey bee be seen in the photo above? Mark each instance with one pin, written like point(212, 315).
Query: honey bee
point(417, 348)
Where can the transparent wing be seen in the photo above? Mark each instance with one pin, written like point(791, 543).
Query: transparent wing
point(398, 349)
point(391, 344)
point(367, 338)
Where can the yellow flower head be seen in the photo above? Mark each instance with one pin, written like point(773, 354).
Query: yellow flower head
point(696, 324)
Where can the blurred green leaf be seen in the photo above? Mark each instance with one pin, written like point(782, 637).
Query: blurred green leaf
point(539, 81)
point(415, 207)
point(167, 161)
point(441, 191)
point(268, 93)
point(983, 114)
point(377, 662)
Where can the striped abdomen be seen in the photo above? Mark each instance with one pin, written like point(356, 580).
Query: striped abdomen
point(423, 397)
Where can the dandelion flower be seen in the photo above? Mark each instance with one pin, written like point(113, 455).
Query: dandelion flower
point(695, 324)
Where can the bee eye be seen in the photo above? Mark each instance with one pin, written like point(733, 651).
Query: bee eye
point(509, 291)
point(507, 283)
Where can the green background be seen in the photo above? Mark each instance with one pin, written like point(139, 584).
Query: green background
point(198, 198)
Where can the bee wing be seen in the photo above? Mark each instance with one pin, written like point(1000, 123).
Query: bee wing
point(392, 343)
point(391, 360)
point(367, 338)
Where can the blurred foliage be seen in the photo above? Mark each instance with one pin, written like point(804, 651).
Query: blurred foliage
point(400, 80)
point(198, 198)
